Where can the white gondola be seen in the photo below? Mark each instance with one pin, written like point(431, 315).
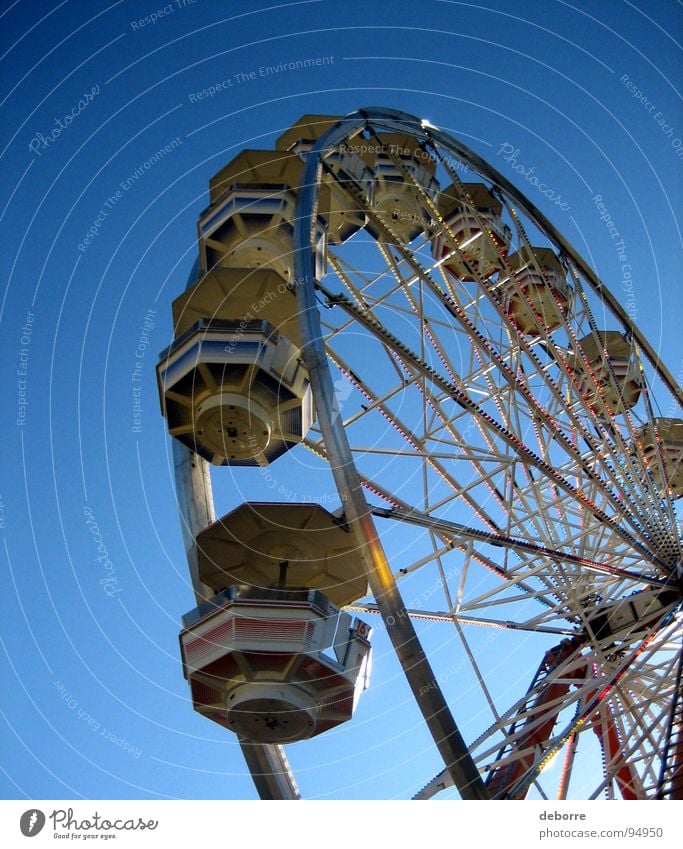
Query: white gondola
point(608, 373)
point(472, 219)
point(249, 223)
point(536, 295)
point(271, 656)
point(661, 448)
point(232, 384)
point(341, 210)
point(274, 666)
point(395, 199)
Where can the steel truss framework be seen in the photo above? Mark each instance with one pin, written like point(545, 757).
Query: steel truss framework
point(456, 414)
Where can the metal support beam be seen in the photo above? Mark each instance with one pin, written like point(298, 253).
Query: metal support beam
point(406, 644)
point(442, 616)
point(455, 528)
point(267, 763)
point(670, 784)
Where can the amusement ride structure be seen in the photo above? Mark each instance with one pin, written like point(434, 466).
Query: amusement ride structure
point(499, 417)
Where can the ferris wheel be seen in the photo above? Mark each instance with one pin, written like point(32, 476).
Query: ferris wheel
point(375, 295)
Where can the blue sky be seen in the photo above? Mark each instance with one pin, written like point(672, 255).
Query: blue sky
point(96, 245)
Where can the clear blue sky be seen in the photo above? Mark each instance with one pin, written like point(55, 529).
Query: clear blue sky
point(94, 702)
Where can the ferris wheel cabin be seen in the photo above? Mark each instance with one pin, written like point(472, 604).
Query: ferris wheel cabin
point(249, 223)
point(271, 656)
point(232, 384)
point(345, 176)
point(399, 164)
point(474, 239)
point(536, 294)
point(608, 373)
point(661, 447)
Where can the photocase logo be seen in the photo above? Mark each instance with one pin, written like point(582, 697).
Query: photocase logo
point(32, 822)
